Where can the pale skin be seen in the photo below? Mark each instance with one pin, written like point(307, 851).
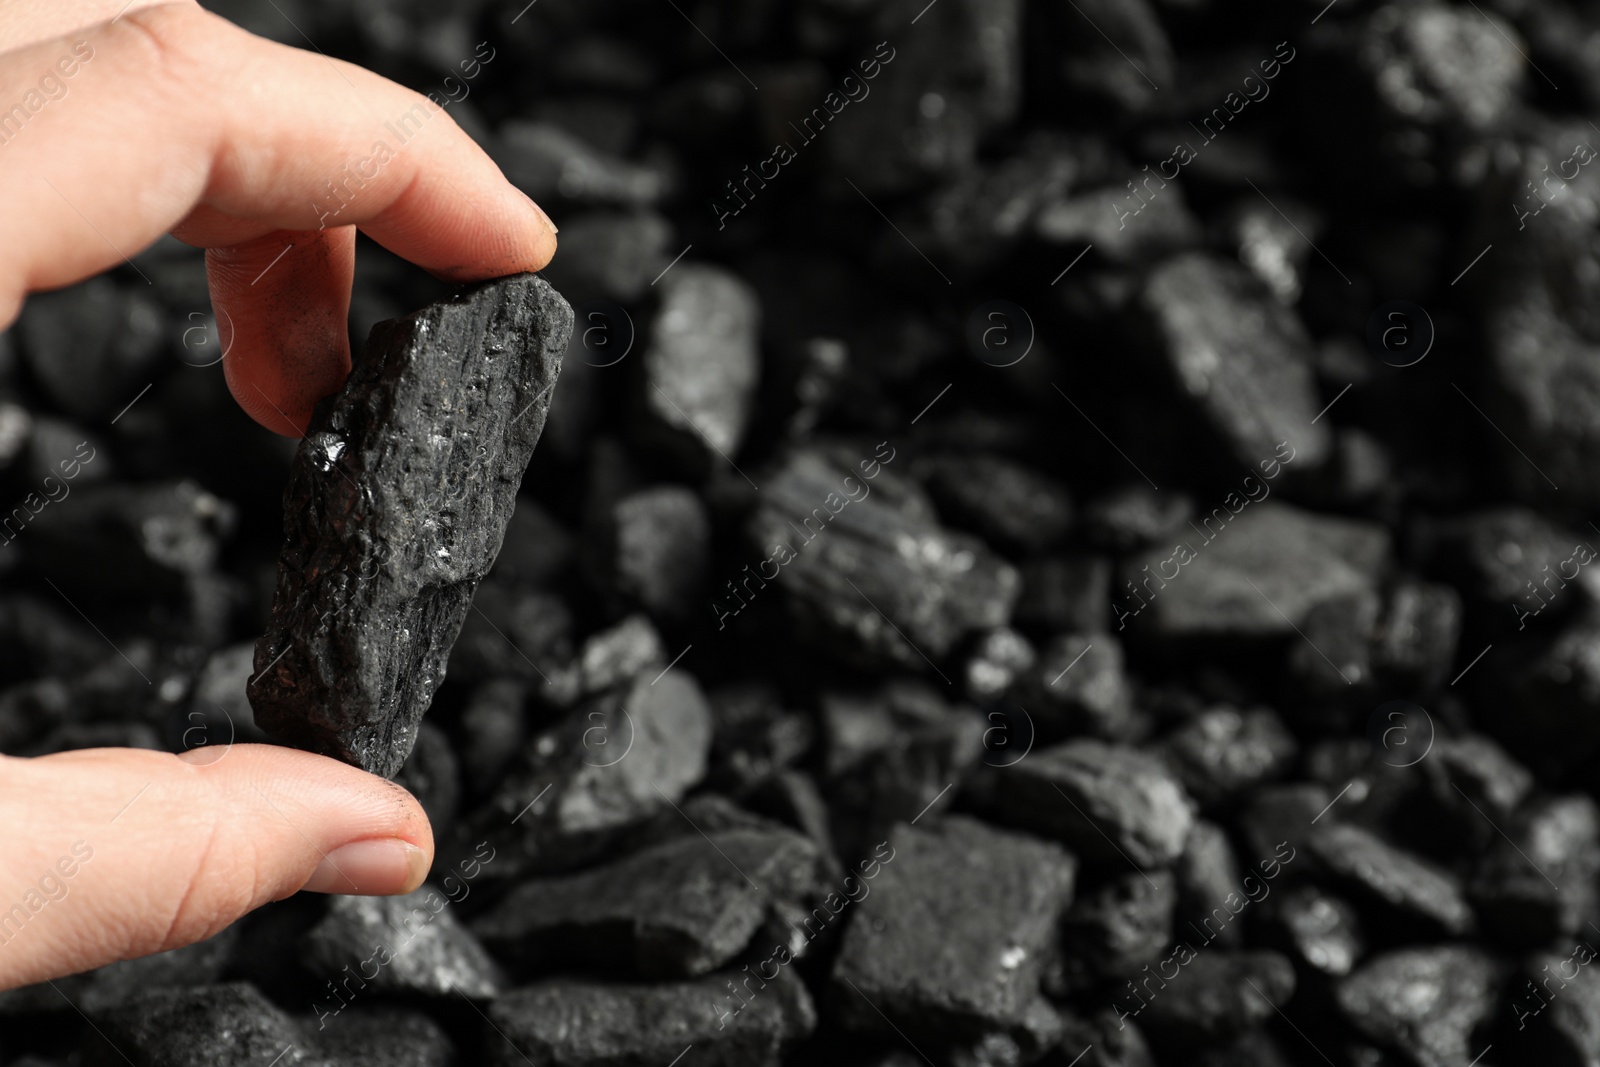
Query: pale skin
point(182, 123)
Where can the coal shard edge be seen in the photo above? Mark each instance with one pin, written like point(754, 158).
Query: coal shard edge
point(396, 506)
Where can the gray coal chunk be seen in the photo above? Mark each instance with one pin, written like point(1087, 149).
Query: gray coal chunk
point(1207, 875)
point(662, 551)
point(395, 509)
point(1011, 506)
point(1264, 393)
point(996, 899)
point(1295, 559)
point(1110, 804)
point(1225, 751)
point(891, 754)
point(1217, 994)
point(1411, 886)
point(936, 94)
point(1538, 883)
point(202, 1026)
point(1123, 923)
point(1318, 928)
point(1511, 555)
point(1280, 815)
point(1557, 997)
point(867, 567)
point(1474, 768)
point(1418, 635)
point(579, 1022)
point(554, 166)
point(679, 909)
point(414, 943)
point(1080, 685)
point(1541, 330)
point(703, 362)
point(999, 658)
point(131, 539)
point(1432, 64)
point(616, 656)
point(609, 765)
point(1424, 1001)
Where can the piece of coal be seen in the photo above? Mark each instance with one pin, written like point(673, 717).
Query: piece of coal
point(1537, 883)
point(729, 1019)
point(1207, 875)
point(1318, 928)
point(996, 899)
point(607, 766)
point(1217, 994)
point(680, 909)
point(1382, 872)
point(413, 943)
point(1123, 923)
point(201, 1026)
point(1197, 306)
point(869, 568)
point(395, 510)
point(1111, 804)
point(703, 363)
point(1225, 751)
point(1294, 559)
point(1425, 1001)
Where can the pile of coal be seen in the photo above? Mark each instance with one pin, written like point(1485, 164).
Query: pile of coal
point(1066, 535)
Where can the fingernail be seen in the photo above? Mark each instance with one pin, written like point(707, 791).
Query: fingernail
point(377, 868)
point(547, 220)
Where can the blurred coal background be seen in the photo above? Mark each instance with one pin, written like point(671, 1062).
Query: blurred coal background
point(982, 767)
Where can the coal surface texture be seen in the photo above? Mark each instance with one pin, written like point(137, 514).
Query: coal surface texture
point(395, 509)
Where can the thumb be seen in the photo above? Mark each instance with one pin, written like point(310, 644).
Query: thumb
point(118, 853)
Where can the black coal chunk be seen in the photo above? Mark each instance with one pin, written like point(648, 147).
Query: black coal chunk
point(577, 1022)
point(395, 509)
point(1224, 751)
point(1111, 804)
point(1318, 928)
point(1537, 883)
point(679, 909)
point(1010, 505)
point(609, 765)
point(1216, 995)
point(851, 547)
point(1264, 394)
point(1424, 1001)
point(996, 899)
point(1121, 924)
point(413, 943)
point(1384, 873)
point(1249, 571)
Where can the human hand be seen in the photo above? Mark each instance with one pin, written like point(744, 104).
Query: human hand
point(118, 853)
point(174, 120)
